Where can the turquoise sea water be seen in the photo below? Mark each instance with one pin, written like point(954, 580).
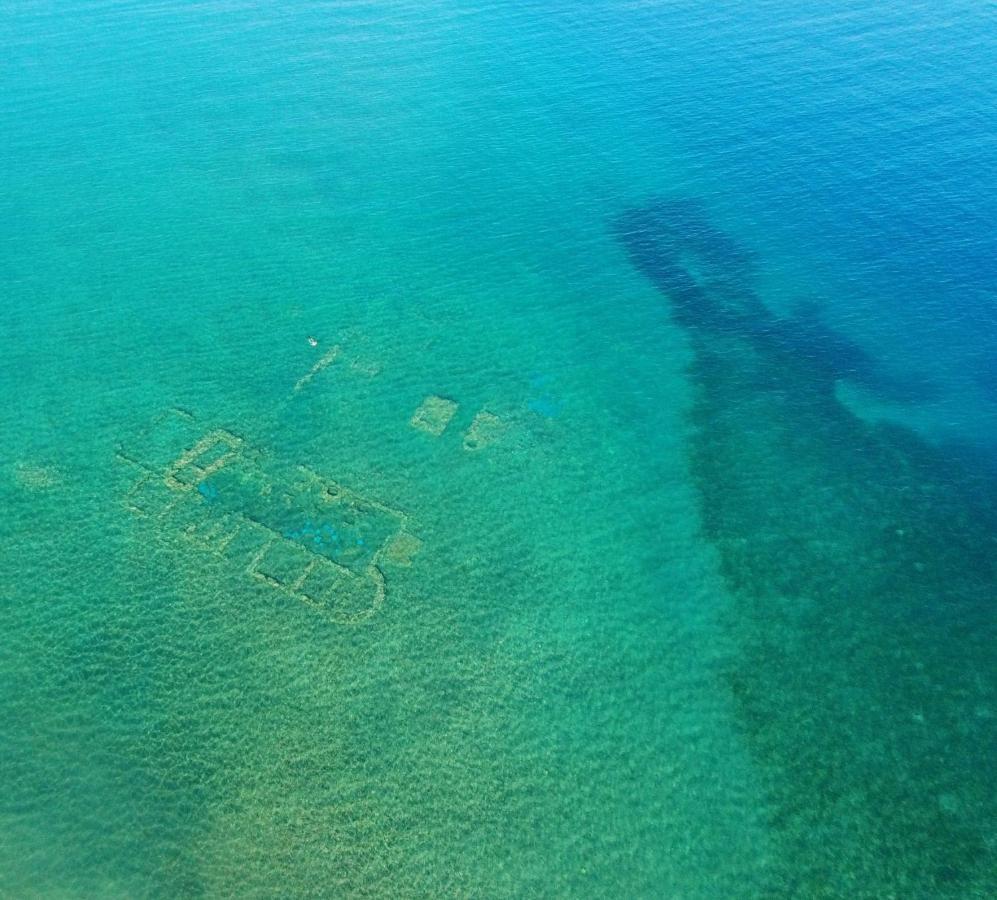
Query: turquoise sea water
point(498, 450)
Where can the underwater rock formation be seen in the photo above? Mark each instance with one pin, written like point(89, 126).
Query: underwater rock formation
point(862, 569)
point(706, 276)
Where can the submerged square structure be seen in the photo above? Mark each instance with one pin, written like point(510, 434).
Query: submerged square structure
point(434, 414)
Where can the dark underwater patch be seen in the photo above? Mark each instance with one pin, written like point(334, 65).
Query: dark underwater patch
point(706, 276)
point(861, 563)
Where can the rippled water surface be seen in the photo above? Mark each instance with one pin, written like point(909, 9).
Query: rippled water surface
point(486, 450)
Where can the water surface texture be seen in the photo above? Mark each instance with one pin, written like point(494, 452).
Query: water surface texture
point(498, 450)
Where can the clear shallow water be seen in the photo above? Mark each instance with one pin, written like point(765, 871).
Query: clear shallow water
point(684, 620)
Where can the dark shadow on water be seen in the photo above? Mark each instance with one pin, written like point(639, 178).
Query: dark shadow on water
point(862, 566)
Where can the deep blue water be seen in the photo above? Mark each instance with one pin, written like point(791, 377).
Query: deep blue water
point(861, 141)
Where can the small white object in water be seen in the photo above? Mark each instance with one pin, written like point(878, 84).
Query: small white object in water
point(312, 341)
